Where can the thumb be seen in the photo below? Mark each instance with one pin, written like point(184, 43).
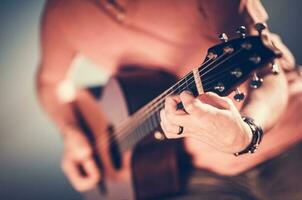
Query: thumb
point(83, 150)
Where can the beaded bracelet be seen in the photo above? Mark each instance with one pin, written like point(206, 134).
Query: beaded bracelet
point(256, 138)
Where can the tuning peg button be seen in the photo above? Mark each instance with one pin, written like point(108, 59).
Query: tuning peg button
point(275, 68)
point(256, 59)
point(241, 31)
point(256, 82)
point(239, 96)
point(219, 87)
point(260, 27)
point(223, 37)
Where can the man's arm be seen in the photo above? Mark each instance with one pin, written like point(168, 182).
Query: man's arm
point(213, 119)
point(267, 103)
point(56, 57)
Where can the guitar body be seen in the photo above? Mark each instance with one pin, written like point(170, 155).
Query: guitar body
point(152, 168)
point(133, 163)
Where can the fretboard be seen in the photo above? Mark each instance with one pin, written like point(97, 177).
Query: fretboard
point(147, 119)
point(227, 65)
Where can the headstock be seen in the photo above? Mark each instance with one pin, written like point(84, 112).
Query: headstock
point(231, 62)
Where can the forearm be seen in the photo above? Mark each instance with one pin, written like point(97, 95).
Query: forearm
point(267, 103)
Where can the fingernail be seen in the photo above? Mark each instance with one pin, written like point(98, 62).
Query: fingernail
point(210, 93)
point(188, 92)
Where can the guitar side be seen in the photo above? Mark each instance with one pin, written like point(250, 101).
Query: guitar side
point(96, 116)
point(151, 168)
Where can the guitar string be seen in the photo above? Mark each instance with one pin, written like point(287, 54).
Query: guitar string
point(151, 104)
point(137, 116)
point(150, 113)
point(150, 108)
point(122, 135)
point(119, 134)
point(155, 108)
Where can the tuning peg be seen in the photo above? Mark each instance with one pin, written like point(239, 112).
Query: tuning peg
point(239, 96)
point(241, 31)
point(260, 27)
point(275, 68)
point(256, 82)
point(223, 37)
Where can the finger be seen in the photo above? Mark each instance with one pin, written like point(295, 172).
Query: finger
point(167, 126)
point(171, 105)
point(216, 100)
point(175, 119)
point(92, 171)
point(191, 104)
point(79, 181)
point(175, 133)
point(82, 151)
point(72, 171)
point(170, 130)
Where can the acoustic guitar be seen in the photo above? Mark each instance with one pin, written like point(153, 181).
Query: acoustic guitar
point(123, 125)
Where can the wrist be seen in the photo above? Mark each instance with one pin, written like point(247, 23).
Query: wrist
point(254, 138)
point(248, 136)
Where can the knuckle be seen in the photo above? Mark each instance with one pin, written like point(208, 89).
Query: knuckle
point(83, 153)
point(227, 100)
point(87, 151)
point(192, 105)
point(168, 100)
point(212, 94)
point(169, 116)
point(195, 103)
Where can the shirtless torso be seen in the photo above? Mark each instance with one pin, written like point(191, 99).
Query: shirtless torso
point(176, 41)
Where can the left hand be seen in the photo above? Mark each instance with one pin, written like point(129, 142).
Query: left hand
point(208, 118)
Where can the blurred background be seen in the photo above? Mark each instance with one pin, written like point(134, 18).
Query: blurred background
point(30, 146)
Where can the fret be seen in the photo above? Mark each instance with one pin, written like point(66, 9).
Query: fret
point(154, 121)
point(148, 125)
point(216, 72)
point(142, 130)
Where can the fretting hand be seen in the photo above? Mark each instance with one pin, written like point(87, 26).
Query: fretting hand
point(208, 118)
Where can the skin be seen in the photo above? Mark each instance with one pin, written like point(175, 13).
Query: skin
point(216, 121)
point(78, 151)
point(209, 118)
point(259, 104)
point(57, 55)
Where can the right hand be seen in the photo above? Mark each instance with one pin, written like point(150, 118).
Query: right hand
point(78, 152)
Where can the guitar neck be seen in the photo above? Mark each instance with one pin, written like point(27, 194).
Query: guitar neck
point(226, 66)
point(147, 119)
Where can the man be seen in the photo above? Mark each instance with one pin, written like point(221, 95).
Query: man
point(172, 34)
